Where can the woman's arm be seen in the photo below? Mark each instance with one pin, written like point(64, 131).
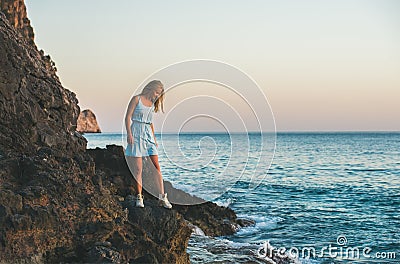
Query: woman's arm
point(152, 129)
point(129, 112)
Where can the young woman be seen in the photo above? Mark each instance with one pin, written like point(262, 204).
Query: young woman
point(141, 138)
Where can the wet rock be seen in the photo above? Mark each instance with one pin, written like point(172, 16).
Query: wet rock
point(243, 222)
point(213, 219)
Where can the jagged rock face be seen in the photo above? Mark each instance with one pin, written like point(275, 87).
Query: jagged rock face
point(15, 12)
point(60, 210)
point(87, 122)
point(35, 110)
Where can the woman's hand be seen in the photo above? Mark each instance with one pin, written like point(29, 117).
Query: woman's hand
point(130, 138)
point(154, 136)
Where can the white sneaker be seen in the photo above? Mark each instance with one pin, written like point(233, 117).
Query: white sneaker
point(139, 200)
point(163, 201)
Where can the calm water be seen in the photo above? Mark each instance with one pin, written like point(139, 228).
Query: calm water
point(322, 190)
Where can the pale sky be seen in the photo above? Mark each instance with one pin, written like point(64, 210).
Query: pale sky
point(323, 65)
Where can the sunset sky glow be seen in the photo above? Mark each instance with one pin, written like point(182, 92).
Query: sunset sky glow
point(323, 65)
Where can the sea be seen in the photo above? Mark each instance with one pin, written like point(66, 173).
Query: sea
point(322, 197)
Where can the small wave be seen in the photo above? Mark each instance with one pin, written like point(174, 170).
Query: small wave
point(309, 261)
point(218, 243)
point(233, 244)
point(197, 231)
point(185, 187)
point(367, 170)
point(262, 223)
point(225, 203)
point(242, 184)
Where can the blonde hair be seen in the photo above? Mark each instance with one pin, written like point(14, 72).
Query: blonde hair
point(151, 86)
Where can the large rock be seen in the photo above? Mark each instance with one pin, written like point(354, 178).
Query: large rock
point(87, 122)
point(213, 219)
point(35, 110)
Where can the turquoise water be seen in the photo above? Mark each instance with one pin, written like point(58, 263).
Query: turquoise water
point(322, 190)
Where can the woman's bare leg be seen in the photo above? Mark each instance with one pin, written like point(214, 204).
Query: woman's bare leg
point(136, 169)
point(154, 159)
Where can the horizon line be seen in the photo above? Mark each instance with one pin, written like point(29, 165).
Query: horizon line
point(263, 132)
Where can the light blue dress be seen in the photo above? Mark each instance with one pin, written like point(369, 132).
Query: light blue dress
point(143, 139)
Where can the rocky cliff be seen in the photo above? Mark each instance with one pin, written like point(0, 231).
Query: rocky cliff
point(87, 122)
point(15, 11)
point(60, 202)
point(36, 111)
